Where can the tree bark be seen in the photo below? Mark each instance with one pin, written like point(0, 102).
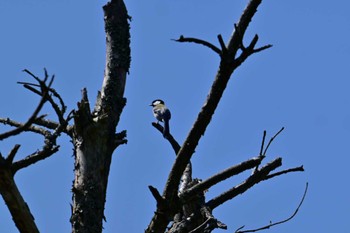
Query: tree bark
point(20, 212)
point(94, 133)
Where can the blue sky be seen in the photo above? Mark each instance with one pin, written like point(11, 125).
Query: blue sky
point(301, 83)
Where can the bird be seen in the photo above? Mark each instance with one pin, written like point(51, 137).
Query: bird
point(162, 113)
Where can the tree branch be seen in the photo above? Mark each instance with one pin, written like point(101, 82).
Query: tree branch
point(296, 169)
point(18, 208)
point(31, 128)
point(206, 184)
point(11, 155)
point(29, 122)
point(199, 41)
point(227, 65)
point(248, 183)
point(46, 152)
point(175, 145)
point(279, 222)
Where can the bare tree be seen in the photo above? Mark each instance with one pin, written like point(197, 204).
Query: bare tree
point(182, 206)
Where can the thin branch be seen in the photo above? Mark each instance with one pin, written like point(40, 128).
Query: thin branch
point(206, 184)
point(296, 169)
point(242, 25)
point(222, 44)
point(262, 143)
point(170, 138)
point(42, 84)
point(271, 140)
point(199, 41)
point(32, 128)
point(156, 194)
point(279, 222)
point(35, 157)
point(255, 178)
point(262, 48)
point(11, 155)
point(29, 122)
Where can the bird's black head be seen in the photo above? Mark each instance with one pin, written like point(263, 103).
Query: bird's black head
point(156, 102)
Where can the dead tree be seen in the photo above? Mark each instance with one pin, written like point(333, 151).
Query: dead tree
point(182, 203)
point(93, 132)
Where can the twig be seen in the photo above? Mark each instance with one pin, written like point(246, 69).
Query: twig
point(29, 122)
point(279, 222)
point(273, 138)
point(199, 41)
point(262, 143)
point(222, 44)
point(13, 152)
point(42, 84)
point(32, 128)
point(296, 169)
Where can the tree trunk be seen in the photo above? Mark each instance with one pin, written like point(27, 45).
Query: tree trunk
point(94, 133)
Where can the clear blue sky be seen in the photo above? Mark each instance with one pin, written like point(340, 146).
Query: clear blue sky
point(301, 83)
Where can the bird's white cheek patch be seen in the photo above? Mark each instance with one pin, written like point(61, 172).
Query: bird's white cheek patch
point(156, 102)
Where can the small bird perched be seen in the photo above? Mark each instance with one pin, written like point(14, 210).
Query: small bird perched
point(161, 113)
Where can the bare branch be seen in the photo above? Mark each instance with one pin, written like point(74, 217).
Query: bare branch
point(271, 140)
point(170, 138)
point(234, 170)
point(296, 169)
point(262, 143)
point(248, 183)
point(32, 128)
point(29, 122)
point(222, 44)
point(13, 152)
point(279, 222)
point(242, 25)
point(262, 48)
point(199, 41)
point(227, 65)
point(30, 86)
point(35, 157)
point(19, 209)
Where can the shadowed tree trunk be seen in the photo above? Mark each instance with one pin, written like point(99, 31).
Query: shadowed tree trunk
point(95, 136)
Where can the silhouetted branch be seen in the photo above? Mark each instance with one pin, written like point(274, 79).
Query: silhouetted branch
point(175, 145)
point(18, 208)
point(31, 128)
point(248, 183)
point(199, 41)
point(222, 44)
point(262, 143)
point(262, 151)
point(155, 193)
point(29, 122)
point(271, 140)
point(279, 222)
point(35, 157)
point(31, 86)
point(296, 169)
point(11, 155)
point(206, 184)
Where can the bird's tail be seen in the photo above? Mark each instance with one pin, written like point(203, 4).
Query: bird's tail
point(166, 130)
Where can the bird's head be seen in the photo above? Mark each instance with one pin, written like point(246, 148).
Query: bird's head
point(156, 102)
